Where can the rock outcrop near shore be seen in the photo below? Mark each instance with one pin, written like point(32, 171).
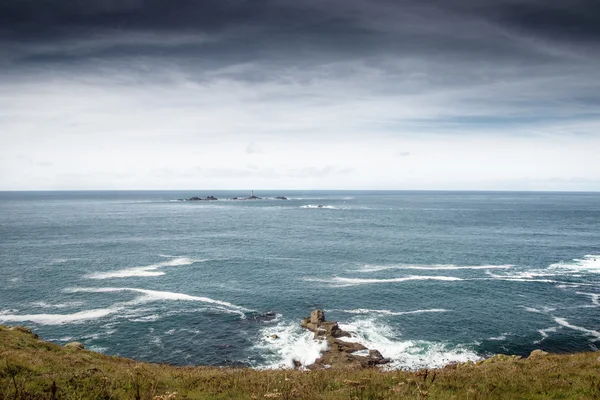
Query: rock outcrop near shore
point(340, 352)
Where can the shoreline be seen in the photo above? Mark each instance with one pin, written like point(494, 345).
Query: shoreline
point(34, 368)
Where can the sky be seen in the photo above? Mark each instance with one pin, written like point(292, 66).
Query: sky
point(312, 94)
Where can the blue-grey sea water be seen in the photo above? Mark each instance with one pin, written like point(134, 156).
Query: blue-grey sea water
point(425, 277)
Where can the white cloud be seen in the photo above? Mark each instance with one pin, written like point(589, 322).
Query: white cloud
point(316, 131)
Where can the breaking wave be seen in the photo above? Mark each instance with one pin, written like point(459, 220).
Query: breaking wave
point(405, 354)
point(147, 296)
point(144, 271)
point(340, 281)
point(566, 324)
point(589, 263)
point(59, 319)
point(290, 343)
point(433, 267)
point(388, 312)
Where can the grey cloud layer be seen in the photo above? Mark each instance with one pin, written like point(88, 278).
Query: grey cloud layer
point(485, 29)
point(133, 78)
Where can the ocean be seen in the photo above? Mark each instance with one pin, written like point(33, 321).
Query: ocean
point(427, 278)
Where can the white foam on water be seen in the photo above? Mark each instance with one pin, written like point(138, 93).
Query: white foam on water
point(543, 310)
point(498, 338)
point(318, 206)
point(147, 318)
point(595, 298)
point(63, 260)
point(62, 339)
point(123, 308)
point(43, 304)
point(292, 343)
point(155, 295)
point(589, 263)
point(362, 281)
point(59, 319)
point(546, 333)
point(432, 267)
point(389, 312)
point(97, 349)
point(405, 354)
point(527, 276)
point(566, 324)
point(144, 271)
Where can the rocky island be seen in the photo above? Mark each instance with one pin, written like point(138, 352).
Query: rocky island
point(251, 197)
point(208, 198)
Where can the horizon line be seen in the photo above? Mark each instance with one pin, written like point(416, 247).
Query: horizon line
point(303, 190)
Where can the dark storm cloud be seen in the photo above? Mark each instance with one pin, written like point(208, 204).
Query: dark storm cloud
point(236, 31)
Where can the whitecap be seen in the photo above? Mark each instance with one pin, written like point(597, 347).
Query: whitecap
point(405, 354)
point(595, 298)
point(147, 318)
point(389, 312)
point(545, 333)
point(97, 349)
point(527, 276)
point(566, 324)
point(589, 263)
point(544, 309)
point(292, 343)
point(59, 319)
point(432, 267)
point(340, 281)
point(144, 271)
point(318, 206)
point(43, 304)
point(155, 295)
point(123, 308)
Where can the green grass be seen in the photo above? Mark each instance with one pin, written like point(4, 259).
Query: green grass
point(33, 369)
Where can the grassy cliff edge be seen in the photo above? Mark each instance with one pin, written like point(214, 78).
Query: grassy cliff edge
point(31, 368)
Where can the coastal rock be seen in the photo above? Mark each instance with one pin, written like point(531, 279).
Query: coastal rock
point(281, 198)
point(23, 329)
point(339, 353)
point(538, 353)
point(500, 358)
point(375, 355)
point(349, 347)
point(75, 345)
point(274, 336)
point(317, 316)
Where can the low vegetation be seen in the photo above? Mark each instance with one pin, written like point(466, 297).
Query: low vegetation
point(33, 369)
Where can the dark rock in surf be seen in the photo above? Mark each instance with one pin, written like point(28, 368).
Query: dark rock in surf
point(281, 198)
point(317, 316)
point(340, 353)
